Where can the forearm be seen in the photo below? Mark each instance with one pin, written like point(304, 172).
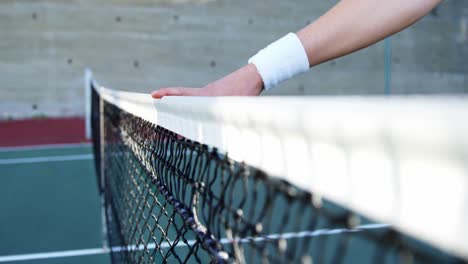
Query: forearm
point(355, 24)
point(349, 26)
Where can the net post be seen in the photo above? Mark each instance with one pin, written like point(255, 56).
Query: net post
point(105, 243)
point(88, 76)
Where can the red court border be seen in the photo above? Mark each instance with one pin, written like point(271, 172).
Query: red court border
point(33, 132)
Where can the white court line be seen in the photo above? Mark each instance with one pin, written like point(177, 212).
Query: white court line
point(47, 146)
point(45, 159)
point(56, 254)
point(292, 235)
point(97, 251)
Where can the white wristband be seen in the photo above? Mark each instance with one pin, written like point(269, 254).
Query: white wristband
point(281, 60)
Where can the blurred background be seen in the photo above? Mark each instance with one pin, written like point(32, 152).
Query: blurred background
point(141, 45)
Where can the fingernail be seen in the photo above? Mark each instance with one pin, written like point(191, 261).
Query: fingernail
point(157, 96)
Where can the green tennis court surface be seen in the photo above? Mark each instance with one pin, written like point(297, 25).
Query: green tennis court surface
point(49, 204)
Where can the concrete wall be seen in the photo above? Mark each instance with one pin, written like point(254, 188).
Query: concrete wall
point(139, 45)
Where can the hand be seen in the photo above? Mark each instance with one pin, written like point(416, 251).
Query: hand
point(244, 82)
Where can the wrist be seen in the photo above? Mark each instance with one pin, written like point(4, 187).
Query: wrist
point(246, 81)
point(254, 78)
point(281, 60)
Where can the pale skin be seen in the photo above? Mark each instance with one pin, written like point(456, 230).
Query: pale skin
point(349, 26)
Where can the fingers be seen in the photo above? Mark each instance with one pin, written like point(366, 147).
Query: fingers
point(172, 91)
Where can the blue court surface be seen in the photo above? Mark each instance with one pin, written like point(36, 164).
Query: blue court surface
point(49, 206)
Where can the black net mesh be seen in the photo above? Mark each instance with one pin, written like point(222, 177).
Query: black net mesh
point(170, 199)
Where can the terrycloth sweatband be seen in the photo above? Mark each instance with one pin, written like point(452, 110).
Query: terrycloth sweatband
point(281, 60)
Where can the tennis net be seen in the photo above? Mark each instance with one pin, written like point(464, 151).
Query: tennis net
point(275, 180)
